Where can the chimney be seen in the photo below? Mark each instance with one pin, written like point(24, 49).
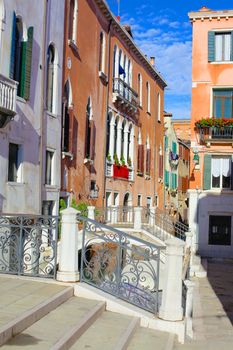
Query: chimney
point(152, 60)
point(118, 18)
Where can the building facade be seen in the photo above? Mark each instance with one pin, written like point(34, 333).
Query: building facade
point(31, 48)
point(112, 112)
point(210, 194)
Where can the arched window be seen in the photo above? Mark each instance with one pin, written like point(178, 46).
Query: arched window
point(73, 15)
point(51, 79)
point(21, 56)
point(102, 53)
point(148, 96)
point(158, 107)
point(90, 132)
point(115, 62)
point(148, 156)
point(115, 135)
point(123, 139)
point(67, 98)
point(140, 165)
point(140, 89)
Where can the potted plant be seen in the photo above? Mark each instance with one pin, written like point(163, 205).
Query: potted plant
point(122, 161)
point(109, 159)
point(116, 160)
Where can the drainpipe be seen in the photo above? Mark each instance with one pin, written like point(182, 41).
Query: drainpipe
point(43, 77)
point(107, 100)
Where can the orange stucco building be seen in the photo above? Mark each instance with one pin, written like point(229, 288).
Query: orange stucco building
point(210, 195)
point(113, 105)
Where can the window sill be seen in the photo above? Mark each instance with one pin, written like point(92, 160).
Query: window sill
point(51, 187)
point(68, 155)
point(72, 44)
point(20, 99)
point(88, 161)
point(149, 113)
point(103, 77)
point(221, 62)
point(16, 184)
point(50, 114)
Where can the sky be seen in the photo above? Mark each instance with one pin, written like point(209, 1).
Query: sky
point(162, 29)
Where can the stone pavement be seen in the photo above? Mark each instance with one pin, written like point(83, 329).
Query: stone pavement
point(213, 309)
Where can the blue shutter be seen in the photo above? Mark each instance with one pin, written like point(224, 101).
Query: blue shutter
point(207, 172)
point(12, 58)
point(211, 46)
point(174, 147)
point(166, 143)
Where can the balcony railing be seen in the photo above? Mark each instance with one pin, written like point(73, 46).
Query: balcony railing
point(8, 92)
point(123, 93)
point(216, 134)
point(119, 171)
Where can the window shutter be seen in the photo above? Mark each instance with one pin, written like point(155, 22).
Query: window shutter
point(166, 143)
point(148, 157)
point(232, 46)
point(207, 172)
point(174, 147)
point(140, 158)
point(92, 140)
point(160, 166)
point(211, 46)
point(12, 59)
point(28, 65)
point(23, 60)
point(166, 175)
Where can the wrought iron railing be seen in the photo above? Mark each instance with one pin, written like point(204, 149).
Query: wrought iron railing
point(216, 133)
point(125, 91)
point(28, 245)
point(119, 264)
point(162, 225)
point(116, 215)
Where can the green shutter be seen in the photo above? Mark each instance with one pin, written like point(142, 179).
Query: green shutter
point(166, 143)
point(166, 175)
point(26, 64)
point(174, 181)
point(174, 147)
point(211, 46)
point(12, 58)
point(207, 172)
point(23, 59)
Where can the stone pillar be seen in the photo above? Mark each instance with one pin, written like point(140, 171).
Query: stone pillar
point(118, 145)
point(91, 212)
point(171, 308)
point(189, 307)
point(193, 215)
point(68, 260)
point(113, 211)
point(152, 216)
point(137, 218)
point(112, 138)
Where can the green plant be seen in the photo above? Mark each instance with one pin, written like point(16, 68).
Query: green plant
point(116, 160)
point(81, 206)
point(109, 157)
point(122, 161)
point(214, 122)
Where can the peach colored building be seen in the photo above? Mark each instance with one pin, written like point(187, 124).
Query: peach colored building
point(182, 128)
point(112, 112)
point(211, 184)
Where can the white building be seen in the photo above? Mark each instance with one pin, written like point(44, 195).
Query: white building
point(31, 58)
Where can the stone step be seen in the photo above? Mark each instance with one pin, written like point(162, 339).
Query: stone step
point(111, 331)
point(24, 302)
point(151, 339)
point(61, 327)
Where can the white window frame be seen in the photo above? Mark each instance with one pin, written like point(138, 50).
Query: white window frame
point(220, 186)
point(218, 34)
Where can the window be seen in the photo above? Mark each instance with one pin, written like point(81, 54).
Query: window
point(219, 230)
point(139, 202)
point(222, 103)
point(159, 107)
point(21, 56)
point(148, 156)
point(90, 132)
point(73, 13)
point(220, 46)
point(160, 162)
point(148, 97)
point(47, 208)
point(221, 172)
point(14, 164)
point(66, 118)
point(94, 190)
point(116, 198)
point(49, 167)
point(140, 89)
point(51, 79)
point(102, 53)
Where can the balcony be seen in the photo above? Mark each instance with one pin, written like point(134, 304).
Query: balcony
point(215, 134)
point(8, 92)
point(120, 171)
point(124, 96)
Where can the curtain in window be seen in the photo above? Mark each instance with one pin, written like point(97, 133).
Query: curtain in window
point(226, 170)
point(216, 164)
point(227, 47)
point(218, 47)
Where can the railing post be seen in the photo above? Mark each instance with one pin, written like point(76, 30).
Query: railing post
point(68, 259)
point(137, 218)
point(189, 307)
point(171, 308)
point(91, 212)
